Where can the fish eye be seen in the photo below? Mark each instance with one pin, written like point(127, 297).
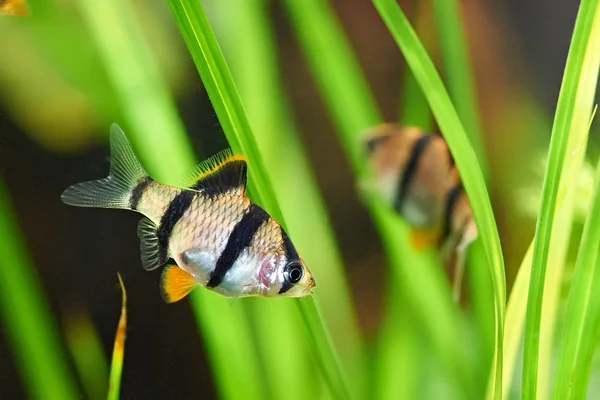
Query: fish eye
point(293, 272)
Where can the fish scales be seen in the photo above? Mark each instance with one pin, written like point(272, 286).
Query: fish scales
point(217, 237)
point(155, 200)
point(206, 226)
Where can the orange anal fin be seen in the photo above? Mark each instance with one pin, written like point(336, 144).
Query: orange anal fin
point(176, 283)
point(421, 239)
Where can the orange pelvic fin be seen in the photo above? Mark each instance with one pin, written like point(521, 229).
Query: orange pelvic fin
point(176, 283)
point(422, 239)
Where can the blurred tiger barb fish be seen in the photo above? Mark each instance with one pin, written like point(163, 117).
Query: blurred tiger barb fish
point(416, 175)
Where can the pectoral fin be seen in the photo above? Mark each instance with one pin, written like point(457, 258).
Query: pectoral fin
point(153, 254)
point(176, 283)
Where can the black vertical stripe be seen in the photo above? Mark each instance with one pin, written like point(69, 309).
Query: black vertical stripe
point(291, 255)
point(138, 191)
point(177, 207)
point(409, 170)
point(239, 239)
point(451, 198)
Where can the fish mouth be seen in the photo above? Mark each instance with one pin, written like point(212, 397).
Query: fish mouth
point(311, 285)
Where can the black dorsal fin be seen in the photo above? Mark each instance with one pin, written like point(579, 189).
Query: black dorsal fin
point(221, 173)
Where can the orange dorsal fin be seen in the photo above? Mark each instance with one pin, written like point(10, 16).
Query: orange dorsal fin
point(176, 283)
point(14, 7)
point(221, 173)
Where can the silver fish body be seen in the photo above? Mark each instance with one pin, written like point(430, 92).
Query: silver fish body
point(214, 233)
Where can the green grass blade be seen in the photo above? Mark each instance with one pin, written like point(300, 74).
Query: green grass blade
point(353, 109)
point(466, 161)
point(458, 71)
point(435, 312)
point(583, 309)
point(517, 303)
point(398, 359)
point(337, 73)
point(249, 47)
point(27, 319)
point(159, 138)
point(480, 313)
point(515, 320)
point(581, 305)
point(131, 67)
point(556, 155)
point(87, 353)
point(215, 75)
point(559, 244)
point(116, 365)
point(415, 110)
point(213, 70)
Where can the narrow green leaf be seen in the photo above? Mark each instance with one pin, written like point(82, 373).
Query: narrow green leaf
point(159, 138)
point(427, 291)
point(398, 360)
point(415, 110)
point(481, 295)
point(206, 53)
point(215, 75)
point(116, 365)
point(578, 342)
point(515, 320)
point(458, 71)
point(142, 93)
point(87, 352)
point(583, 309)
point(466, 161)
point(556, 156)
point(250, 49)
point(26, 317)
point(560, 239)
point(353, 109)
point(337, 73)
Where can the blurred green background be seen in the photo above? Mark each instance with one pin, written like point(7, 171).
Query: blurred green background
point(57, 100)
